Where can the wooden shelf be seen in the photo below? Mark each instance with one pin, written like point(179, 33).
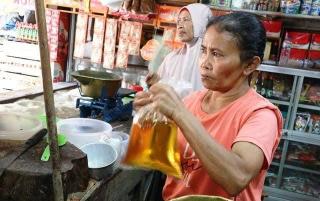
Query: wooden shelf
point(21, 50)
point(101, 11)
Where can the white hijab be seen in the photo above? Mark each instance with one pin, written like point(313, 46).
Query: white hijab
point(182, 64)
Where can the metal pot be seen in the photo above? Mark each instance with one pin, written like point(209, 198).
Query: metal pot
point(93, 83)
point(101, 159)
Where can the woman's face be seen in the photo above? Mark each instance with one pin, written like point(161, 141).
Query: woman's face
point(185, 26)
point(220, 65)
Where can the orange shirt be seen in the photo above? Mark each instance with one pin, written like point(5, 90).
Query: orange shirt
point(250, 118)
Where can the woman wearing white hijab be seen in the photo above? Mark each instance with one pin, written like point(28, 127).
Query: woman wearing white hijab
point(181, 66)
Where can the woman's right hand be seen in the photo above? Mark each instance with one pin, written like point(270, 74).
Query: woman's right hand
point(141, 99)
point(152, 78)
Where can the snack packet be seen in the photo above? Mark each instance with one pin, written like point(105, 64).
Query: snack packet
point(153, 143)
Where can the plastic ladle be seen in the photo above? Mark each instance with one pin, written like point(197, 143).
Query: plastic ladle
point(62, 140)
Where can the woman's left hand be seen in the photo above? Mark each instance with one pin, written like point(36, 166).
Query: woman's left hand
point(166, 100)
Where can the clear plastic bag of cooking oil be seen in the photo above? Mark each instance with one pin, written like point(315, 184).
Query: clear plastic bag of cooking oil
point(153, 143)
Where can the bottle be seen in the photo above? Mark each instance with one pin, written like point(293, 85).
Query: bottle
point(263, 84)
point(269, 92)
point(259, 83)
point(274, 51)
point(18, 30)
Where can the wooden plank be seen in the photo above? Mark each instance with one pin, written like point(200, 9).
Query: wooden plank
point(8, 97)
point(124, 185)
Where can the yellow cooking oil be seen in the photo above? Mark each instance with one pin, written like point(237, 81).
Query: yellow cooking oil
point(154, 146)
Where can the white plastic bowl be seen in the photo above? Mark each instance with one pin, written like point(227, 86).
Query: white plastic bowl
point(18, 127)
point(101, 159)
point(82, 131)
point(124, 141)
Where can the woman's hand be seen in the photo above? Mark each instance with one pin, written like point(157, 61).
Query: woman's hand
point(141, 99)
point(152, 78)
point(166, 100)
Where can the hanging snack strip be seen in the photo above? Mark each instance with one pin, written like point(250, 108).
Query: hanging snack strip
point(80, 38)
point(97, 42)
point(110, 43)
point(135, 38)
point(122, 54)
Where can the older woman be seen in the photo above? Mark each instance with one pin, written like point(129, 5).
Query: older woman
point(182, 64)
point(228, 133)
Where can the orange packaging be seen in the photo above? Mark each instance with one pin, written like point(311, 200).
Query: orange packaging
point(80, 37)
point(153, 143)
point(148, 51)
point(135, 37)
point(110, 43)
point(167, 14)
point(97, 42)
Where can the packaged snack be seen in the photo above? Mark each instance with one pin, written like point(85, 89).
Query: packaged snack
point(292, 7)
point(279, 88)
point(271, 179)
point(167, 14)
point(306, 7)
point(296, 58)
point(149, 49)
point(313, 60)
point(315, 124)
point(221, 3)
point(153, 143)
point(97, 42)
point(315, 8)
point(315, 42)
point(80, 37)
point(124, 40)
point(109, 53)
point(273, 27)
point(294, 49)
point(313, 94)
point(302, 121)
point(135, 38)
point(122, 59)
point(298, 40)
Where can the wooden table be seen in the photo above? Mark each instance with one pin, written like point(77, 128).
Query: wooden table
point(122, 185)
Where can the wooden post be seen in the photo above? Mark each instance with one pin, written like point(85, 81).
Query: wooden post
point(49, 101)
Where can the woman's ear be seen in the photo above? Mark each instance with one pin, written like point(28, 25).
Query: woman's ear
point(252, 65)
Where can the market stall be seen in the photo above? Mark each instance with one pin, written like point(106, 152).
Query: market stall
point(104, 39)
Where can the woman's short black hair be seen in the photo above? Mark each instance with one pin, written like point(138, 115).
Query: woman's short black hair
point(247, 30)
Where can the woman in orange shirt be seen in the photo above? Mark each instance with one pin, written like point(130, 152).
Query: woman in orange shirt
point(227, 132)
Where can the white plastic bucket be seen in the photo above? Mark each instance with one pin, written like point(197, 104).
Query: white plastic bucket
point(82, 131)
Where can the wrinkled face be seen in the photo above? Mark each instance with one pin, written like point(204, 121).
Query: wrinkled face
point(185, 26)
point(220, 65)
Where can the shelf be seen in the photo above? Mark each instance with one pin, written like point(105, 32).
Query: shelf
point(22, 50)
point(21, 70)
point(279, 102)
point(289, 71)
point(70, 7)
point(268, 13)
point(307, 138)
point(287, 195)
point(310, 107)
point(12, 96)
point(301, 169)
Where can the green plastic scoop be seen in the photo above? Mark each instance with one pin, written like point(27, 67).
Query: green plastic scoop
point(62, 140)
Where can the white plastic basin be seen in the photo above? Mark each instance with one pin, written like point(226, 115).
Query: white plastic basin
point(82, 131)
point(18, 127)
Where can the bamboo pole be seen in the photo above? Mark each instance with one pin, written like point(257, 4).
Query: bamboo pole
point(49, 101)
